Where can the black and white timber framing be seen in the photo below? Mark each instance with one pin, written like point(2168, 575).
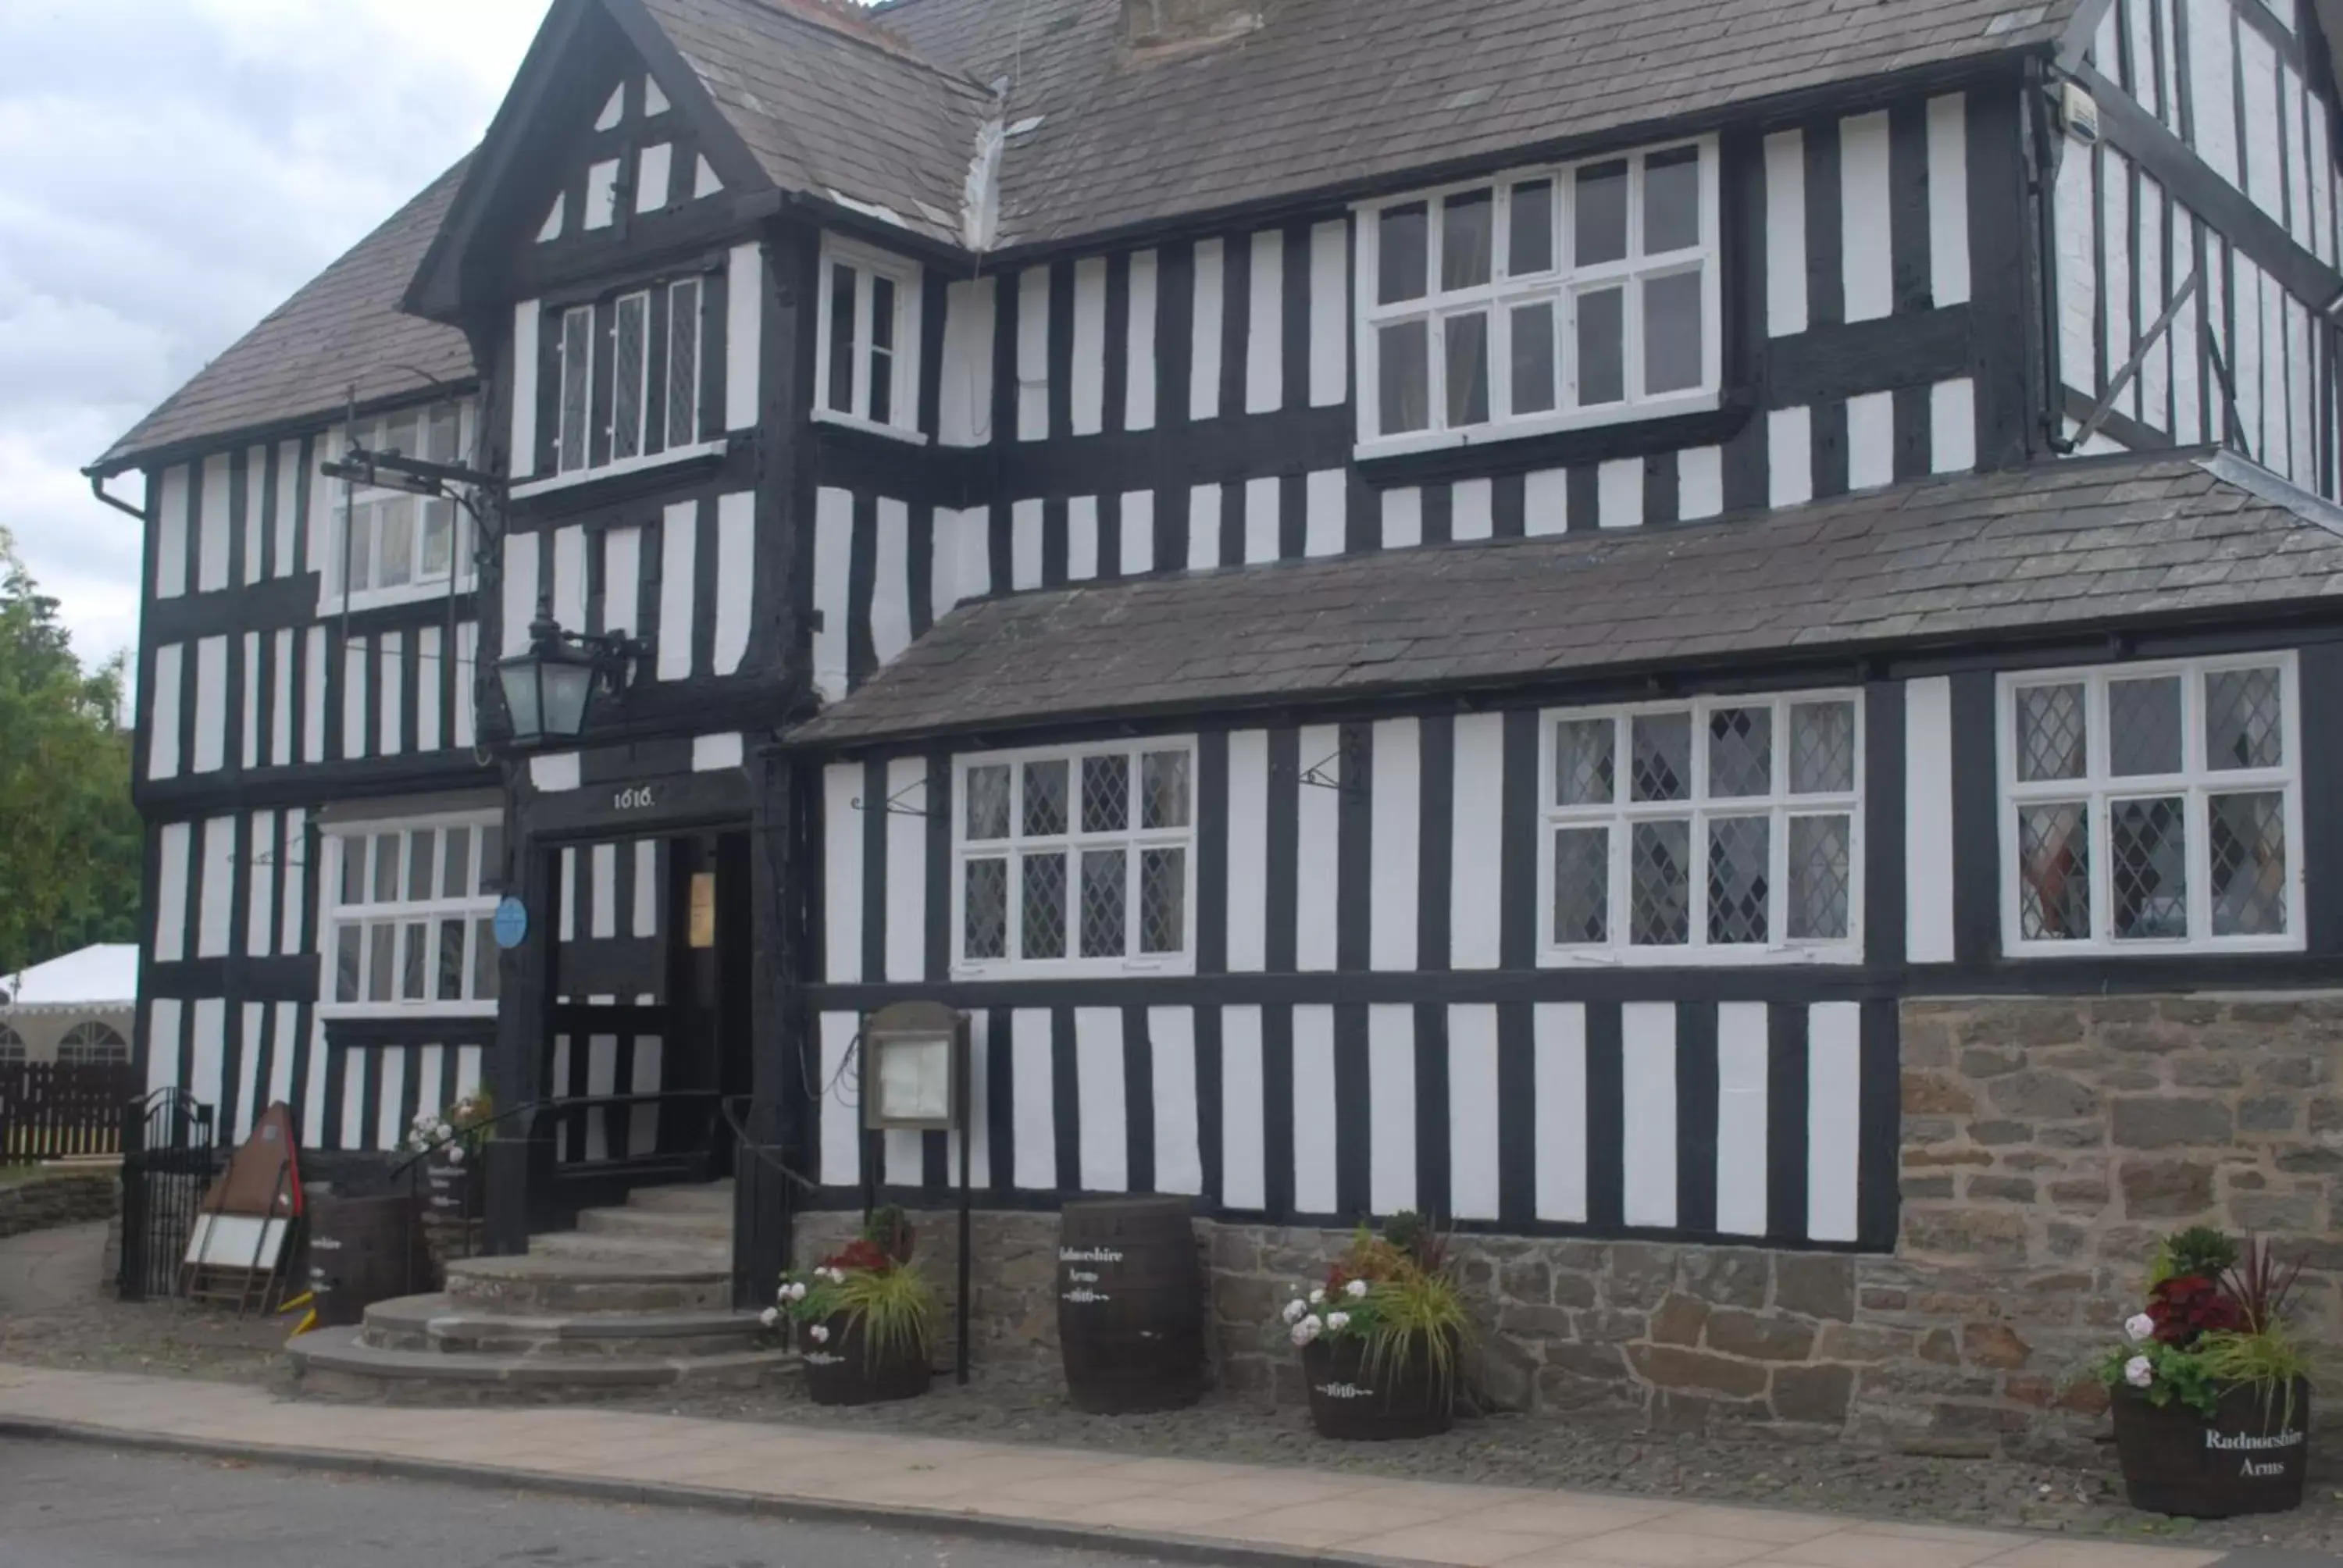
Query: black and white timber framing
point(1920, 276)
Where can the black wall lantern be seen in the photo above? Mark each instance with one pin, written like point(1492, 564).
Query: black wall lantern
point(548, 689)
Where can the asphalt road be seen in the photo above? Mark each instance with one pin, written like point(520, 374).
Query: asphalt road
point(74, 1505)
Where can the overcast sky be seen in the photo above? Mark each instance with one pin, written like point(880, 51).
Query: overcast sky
point(170, 170)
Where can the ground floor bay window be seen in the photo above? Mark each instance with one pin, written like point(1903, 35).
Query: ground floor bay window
point(2149, 808)
point(409, 904)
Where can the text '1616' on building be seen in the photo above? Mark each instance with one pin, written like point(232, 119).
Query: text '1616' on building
point(1699, 639)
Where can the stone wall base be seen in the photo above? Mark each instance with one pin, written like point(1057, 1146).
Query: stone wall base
point(1683, 1337)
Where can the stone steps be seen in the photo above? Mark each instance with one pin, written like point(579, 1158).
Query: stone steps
point(442, 1324)
point(336, 1364)
point(636, 1297)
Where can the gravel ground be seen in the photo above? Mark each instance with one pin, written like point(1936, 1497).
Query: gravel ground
point(1601, 1455)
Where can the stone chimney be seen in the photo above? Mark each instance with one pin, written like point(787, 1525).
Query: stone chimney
point(1152, 26)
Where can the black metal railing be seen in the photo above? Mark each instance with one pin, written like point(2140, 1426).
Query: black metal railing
point(170, 1153)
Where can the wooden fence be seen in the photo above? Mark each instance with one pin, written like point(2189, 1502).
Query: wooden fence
point(50, 1110)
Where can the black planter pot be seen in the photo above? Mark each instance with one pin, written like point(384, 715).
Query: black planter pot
point(840, 1371)
point(2248, 1459)
point(1347, 1405)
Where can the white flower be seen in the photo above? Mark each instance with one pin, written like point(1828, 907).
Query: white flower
point(1355, 1289)
point(769, 1316)
point(2139, 1328)
point(1318, 1298)
point(797, 1291)
point(1302, 1335)
point(1337, 1321)
point(1296, 1309)
point(2138, 1372)
point(455, 1154)
point(819, 1334)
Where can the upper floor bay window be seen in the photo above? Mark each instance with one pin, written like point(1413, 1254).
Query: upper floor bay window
point(408, 915)
point(1725, 831)
point(866, 356)
point(2148, 808)
point(384, 546)
point(628, 387)
point(1545, 299)
point(1076, 861)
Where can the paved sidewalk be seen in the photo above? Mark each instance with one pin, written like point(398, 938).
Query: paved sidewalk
point(1220, 1514)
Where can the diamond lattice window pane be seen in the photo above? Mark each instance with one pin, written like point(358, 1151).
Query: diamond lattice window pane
point(985, 908)
point(1821, 872)
point(1741, 751)
point(1661, 767)
point(1822, 748)
point(1106, 794)
point(2147, 869)
point(1659, 884)
point(1163, 790)
point(2050, 732)
point(2247, 835)
point(1581, 885)
point(1585, 761)
point(1045, 798)
point(626, 383)
point(987, 801)
point(1103, 905)
point(2245, 713)
point(2144, 727)
point(1044, 924)
point(2054, 873)
point(1162, 900)
point(1739, 877)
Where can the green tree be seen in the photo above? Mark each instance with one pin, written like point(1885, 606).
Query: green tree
point(69, 836)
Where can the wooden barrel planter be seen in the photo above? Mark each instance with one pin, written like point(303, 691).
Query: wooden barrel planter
point(843, 1371)
point(452, 1226)
point(1348, 1405)
point(2248, 1459)
point(363, 1251)
point(1131, 1305)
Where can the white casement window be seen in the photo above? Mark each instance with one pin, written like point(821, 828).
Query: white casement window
point(1544, 299)
point(653, 348)
point(866, 356)
point(386, 545)
point(2148, 808)
point(1076, 861)
point(1725, 831)
point(408, 915)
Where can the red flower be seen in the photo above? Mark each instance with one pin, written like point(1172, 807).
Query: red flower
point(2188, 1306)
point(862, 1257)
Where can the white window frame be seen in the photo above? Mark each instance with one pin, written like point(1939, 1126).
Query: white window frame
point(697, 325)
point(902, 422)
point(642, 297)
point(474, 909)
point(2195, 783)
point(1560, 286)
point(656, 296)
point(365, 502)
point(75, 1052)
point(1072, 842)
point(1779, 806)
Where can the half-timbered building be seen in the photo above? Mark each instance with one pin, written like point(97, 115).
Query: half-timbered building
point(1692, 638)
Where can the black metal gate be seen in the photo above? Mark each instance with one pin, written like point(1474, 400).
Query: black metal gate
point(170, 1153)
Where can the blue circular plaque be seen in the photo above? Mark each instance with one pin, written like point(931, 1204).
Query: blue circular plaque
point(512, 922)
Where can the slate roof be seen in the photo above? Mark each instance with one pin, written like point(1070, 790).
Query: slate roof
point(343, 326)
point(831, 104)
point(1957, 560)
point(1343, 91)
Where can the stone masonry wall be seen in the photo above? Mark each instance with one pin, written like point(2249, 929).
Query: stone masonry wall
point(59, 1197)
point(2047, 1144)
